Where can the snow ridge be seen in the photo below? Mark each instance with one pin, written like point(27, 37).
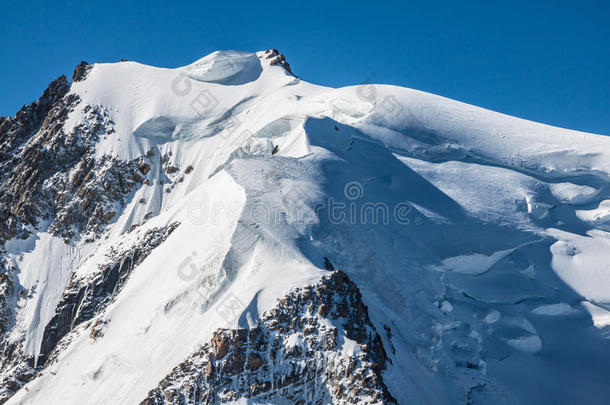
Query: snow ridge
point(477, 243)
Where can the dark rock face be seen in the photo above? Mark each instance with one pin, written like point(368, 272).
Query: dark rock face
point(85, 197)
point(297, 353)
point(23, 157)
point(20, 157)
point(6, 292)
point(33, 148)
point(20, 371)
point(80, 72)
point(85, 298)
point(14, 131)
point(278, 59)
point(48, 172)
point(17, 369)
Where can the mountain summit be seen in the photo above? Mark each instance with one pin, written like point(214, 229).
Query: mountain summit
point(227, 232)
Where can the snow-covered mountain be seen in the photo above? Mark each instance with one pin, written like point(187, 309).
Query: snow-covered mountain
point(227, 232)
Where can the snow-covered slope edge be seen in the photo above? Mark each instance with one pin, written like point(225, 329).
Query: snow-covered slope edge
point(147, 210)
point(317, 345)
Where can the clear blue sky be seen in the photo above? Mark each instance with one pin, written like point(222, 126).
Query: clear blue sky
point(548, 62)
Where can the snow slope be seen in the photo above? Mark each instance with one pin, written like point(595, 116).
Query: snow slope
point(479, 241)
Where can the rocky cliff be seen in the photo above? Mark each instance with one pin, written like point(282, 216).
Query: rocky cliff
point(316, 346)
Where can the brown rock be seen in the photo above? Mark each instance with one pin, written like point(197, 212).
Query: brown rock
point(144, 168)
point(109, 216)
point(254, 361)
point(209, 369)
point(220, 345)
point(80, 72)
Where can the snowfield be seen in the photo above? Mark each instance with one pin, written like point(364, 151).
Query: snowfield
point(480, 241)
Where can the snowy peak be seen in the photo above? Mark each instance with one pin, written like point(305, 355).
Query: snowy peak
point(194, 101)
point(165, 230)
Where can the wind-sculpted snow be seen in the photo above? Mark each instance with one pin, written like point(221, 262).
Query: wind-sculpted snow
point(222, 66)
point(479, 242)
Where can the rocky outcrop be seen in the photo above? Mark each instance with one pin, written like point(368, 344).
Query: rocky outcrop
point(50, 173)
point(85, 298)
point(7, 295)
point(52, 180)
point(86, 197)
point(80, 72)
point(6, 292)
point(316, 346)
point(19, 371)
point(16, 368)
point(19, 177)
point(278, 59)
point(23, 158)
point(33, 148)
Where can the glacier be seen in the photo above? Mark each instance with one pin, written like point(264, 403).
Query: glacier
point(479, 242)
